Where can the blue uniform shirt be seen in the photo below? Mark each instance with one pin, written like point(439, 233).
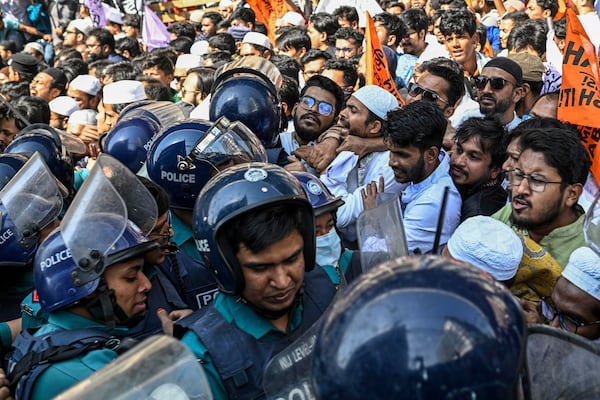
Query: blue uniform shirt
point(247, 320)
point(62, 375)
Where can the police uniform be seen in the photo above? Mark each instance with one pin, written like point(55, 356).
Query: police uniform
point(62, 375)
point(183, 237)
point(232, 324)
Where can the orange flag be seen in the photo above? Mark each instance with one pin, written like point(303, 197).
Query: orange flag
point(579, 102)
point(267, 12)
point(377, 68)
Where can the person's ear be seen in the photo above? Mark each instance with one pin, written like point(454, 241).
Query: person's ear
point(572, 194)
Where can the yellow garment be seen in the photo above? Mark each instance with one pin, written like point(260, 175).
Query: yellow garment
point(537, 273)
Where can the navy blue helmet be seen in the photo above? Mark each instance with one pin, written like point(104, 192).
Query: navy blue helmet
point(421, 328)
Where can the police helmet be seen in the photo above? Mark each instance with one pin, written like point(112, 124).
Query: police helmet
point(183, 157)
point(44, 139)
point(234, 192)
point(12, 251)
point(422, 328)
point(9, 165)
point(247, 95)
point(129, 140)
point(58, 278)
point(318, 194)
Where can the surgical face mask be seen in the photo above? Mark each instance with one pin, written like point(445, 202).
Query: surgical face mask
point(329, 248)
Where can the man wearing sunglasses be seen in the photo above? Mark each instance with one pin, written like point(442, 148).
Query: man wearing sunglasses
point(499, 89)
point(546, 184)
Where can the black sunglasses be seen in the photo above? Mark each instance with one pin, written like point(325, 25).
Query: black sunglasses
point(496, 83)
point(415, 89)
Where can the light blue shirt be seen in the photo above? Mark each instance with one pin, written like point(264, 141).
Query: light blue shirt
point(422, 203)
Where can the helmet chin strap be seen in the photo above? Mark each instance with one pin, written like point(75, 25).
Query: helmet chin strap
point(104, 308)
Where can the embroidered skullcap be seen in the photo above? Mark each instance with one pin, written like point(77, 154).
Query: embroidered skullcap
point(583, 271)
point(378, 100)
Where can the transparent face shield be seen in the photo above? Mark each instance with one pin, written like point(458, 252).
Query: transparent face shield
point(591, 225)
point(32, 198)
point(225, 144)
point(110, 196)
point(72, 144)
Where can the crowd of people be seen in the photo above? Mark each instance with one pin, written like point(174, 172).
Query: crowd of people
point(210, 189)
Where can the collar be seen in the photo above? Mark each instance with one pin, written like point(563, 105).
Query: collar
point(235, 311)
point(67, 320)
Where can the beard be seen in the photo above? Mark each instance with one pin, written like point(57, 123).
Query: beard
point(414, 174)
point(545, 219)
point(500, 107)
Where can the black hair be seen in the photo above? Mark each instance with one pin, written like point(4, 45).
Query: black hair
point(162, 63)
point(490, 135)
point(415, 18)
point(560, 28)
point(223, 41)
point(393, 24)
point(206, 78)
point(182, 29)
point(218, 58)
point(35, 109)
point(314, 54)
point(182, 44)
point(73, 67)
point(288, 94)
point(245, 14)
point(350, 34)
point(120, 71)
point(130, 44)
point(9, 45)
point(562, 150)
point(67, 53)
point(530, 34)
point(346, 12)
point(347, 67)
point(458, 21)
point(420, 124)
point(482, 33)
point(155, 89)
point(214, 16)
point(293, 39)
point(100, 66)
point(160, 195)
point(517, 17)
point(104, 37)
point(324, 22)
point(450, 71)
point(260, 228)
point(328, 85)
point(551, 5)
point(538, 123)
point(132, 20)
point(288, 66)
point(13, 90)
point(165, 52)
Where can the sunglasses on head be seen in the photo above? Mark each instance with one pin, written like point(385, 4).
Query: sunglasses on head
point(415, 89)
point(323, 107)
point(496, 83)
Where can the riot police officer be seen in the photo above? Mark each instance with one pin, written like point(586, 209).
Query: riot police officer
point(255, 225)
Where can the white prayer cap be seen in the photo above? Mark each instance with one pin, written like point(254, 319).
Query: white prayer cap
point(199, 48)
point(196, 16)
point(112, 14)
point(122, 92)
point(86, 83)
point(583, 271)
point(226, 3)
point(187, 61)
point(82, 25)
point(293, 18)
point(83, 117)
point(63, 105)
point(488, 244)
point(258, 39)
point(378, 100)
point(35, 46)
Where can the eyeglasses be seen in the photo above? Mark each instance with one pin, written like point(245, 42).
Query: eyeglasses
point(496, 83)
point(159, 231)
point(408, 35)
point(415, 89)
point(536, 183)
point(566, 322)
point(323, 107)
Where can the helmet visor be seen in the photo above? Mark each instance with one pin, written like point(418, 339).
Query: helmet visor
point(32, 199)
point(226, 144)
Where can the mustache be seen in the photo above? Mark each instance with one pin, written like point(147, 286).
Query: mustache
point(521, 198)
